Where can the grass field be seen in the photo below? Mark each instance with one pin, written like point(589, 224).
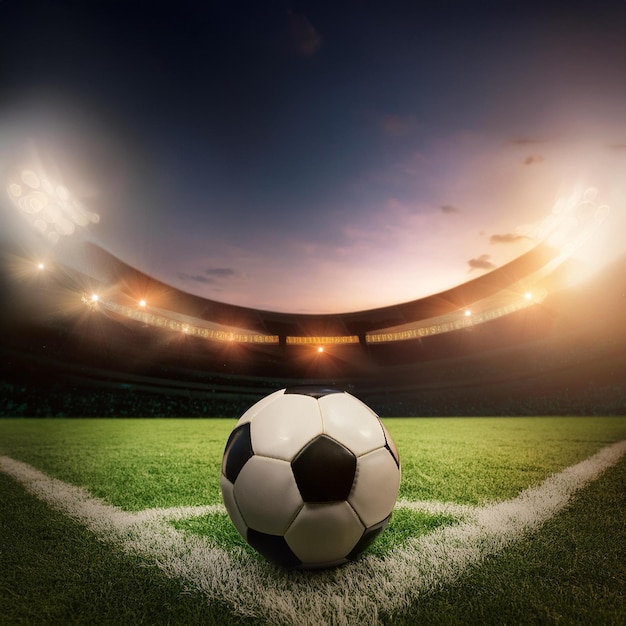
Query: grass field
point(120, 522)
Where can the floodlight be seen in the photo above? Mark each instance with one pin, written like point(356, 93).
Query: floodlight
point(50, 208)
point(320, 349)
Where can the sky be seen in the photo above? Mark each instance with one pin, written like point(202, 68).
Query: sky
point(313, 157)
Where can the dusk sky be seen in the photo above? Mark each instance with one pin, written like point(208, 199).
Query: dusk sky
point(316, 156)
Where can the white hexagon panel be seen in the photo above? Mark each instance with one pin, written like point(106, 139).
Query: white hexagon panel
point(280, 429)
point(324, 534)
point(376, 487)
point(267, 495)
point(256, 408)
point(348, 420)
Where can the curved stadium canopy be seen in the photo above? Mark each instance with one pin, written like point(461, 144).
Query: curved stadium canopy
point(110, 270)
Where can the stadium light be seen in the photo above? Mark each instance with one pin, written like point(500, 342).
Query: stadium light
point(47, 205)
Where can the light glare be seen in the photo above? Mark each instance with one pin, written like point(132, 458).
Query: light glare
point(49, 207)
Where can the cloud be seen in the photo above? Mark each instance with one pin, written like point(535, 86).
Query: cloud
point(618, 146)
point(397, 125)
point(220, 272)
point(481, 263)
point(533, 159)
point(506, 238)
point(209, 276)
point(304, 37)
point(197, 278)
point(449, 208)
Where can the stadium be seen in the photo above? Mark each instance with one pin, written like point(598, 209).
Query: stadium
point(130, 512)
point(489, 347)
point(500, 344)
point(312, 315)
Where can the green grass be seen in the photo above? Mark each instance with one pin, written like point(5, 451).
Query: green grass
point(572, 572)
point(52, 570)
point(477, 460)
point(132, 463)
point(143, 463)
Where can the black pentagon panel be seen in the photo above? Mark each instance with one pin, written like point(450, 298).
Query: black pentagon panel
point(368, 538)
point(315, 391)
point(274, 548)
point(238, 451)
point(324, 470)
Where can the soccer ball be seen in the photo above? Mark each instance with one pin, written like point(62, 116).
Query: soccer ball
point(310, 476)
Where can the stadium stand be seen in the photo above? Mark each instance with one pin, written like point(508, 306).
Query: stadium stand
point(565, 354)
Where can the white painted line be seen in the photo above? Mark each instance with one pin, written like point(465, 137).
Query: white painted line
point(465, 511)
point(355, 593)
point(180, 512)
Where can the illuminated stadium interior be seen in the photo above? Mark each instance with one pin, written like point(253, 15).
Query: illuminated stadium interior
point(126, 294)
point(389, 241)
point(114, 296)
point(496, 294)
point(90, 318)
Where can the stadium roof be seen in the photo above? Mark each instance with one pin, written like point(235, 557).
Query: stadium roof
point(109, 269)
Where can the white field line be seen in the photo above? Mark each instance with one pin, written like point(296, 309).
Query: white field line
point(179, 512)
point(355, 593)
point(463, 511)
point(424, 506)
